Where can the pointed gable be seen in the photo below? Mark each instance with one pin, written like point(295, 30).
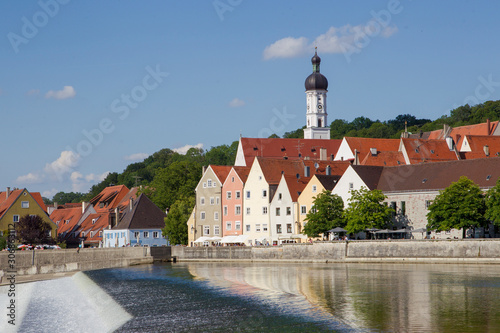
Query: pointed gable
point(420, 151)
point(295, 186)
point(143, 215)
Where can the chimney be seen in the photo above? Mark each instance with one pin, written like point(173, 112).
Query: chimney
point(203, 169)
point(332, 157)
point(7, 193)
point(356, 158)
point(84, 206)
point(307, 171)
point(446, 130)
point(488, 131)
point(328, 170)
point(373, 151)
point(117, 214)
point(449, 142)
point(322, 154)
point(486, 150)
point(131, 203)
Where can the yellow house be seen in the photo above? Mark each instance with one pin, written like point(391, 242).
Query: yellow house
point(315, 186)
point(18, 203)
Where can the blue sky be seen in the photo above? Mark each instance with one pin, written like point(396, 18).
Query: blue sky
point(88, 87)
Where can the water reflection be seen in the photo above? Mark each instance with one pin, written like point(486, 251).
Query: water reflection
point(387, 297)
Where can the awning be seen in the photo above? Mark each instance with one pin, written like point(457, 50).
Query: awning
point(202, 240)
point(337, 230)
point(234, 239)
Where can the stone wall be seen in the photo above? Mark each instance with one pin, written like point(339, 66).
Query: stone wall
point(354, 251)
point(67, 260)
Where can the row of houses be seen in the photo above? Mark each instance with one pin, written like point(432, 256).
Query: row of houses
point(116, 217)
point(265, 197)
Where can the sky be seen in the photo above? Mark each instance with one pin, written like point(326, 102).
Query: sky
point(88, 87)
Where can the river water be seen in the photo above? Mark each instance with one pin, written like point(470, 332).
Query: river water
point(264, 297)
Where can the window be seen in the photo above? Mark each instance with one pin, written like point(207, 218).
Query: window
point(202, 215)
point(428, 203)
point(238, 194)
point(206, 230)
point(212, 201)
point(136, 234)
point(228, 195)
point(351, 186)
point(237, 225)
point(289, 228)
point(15, 218)
point(82, 234)
point(225, 210)
point(155, 234)
point(214, 184)
point(313, 209)
point(264, 193)
point(216, 216)
point(278, 211)
point(146, 234)
point(217, 200)
point(100, 233)
point(447, 232)
point(393, 206)
point(280, 196)
point(204, 185)
point(288, 211)
point(57, 223)
point(257, 227)
point(66, 222)
point(237, 210)
point(101, 204)
point(248, 195)
point(202, 201)
point(93, 221)
point(303, 210)
point(232, 179)
point(216, 229)
point(278, 228)
point(248, 227)
point(403, 207)
point(192, 229)
point(264, 210)
point(264, 227)
point(25, 204)
point(314, 189)
point(228, 225)
point(248, 210)
point(209, 183)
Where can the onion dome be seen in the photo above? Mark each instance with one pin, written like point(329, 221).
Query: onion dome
point(316, 81)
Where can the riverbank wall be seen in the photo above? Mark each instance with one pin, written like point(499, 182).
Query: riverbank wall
point(425, 251)
point(71, 260)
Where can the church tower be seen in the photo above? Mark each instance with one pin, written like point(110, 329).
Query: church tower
point(316, 88)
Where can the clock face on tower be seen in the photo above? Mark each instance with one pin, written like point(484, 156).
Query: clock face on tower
point(320, 107)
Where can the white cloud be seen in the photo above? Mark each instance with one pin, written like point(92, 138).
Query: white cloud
point(33, 92)
point(288, 47)
point(67, 161)
point(236, 102)
point(335, 40)
point(92, 177)
point(30, 178)
point(66, 92)
point(183, 150)
point(81, 183)
point(136, 157)
point(50, 193)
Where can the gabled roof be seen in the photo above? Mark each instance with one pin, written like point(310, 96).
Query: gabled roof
point(221, 171)
point(363, 145)
point(144, 215)
point(72, 215)
point(437, 176)
point(110, 197)
point(7, 202)
point(476, 144)
point(369, 174)
point(101, 222)
point(328, 182)
point(292, 149)
point(38, 198)
point(295, 186)
point(459, 132)
point(384, 158)
point(419, 151)
point(242, 172)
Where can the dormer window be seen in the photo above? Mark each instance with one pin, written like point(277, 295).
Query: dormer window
point(101, 204)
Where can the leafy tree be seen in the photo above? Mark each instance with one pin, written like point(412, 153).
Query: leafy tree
point(327, 214)
point(274, 136)
point(221, 155)
point(339, 128)
point(32, 229)
point(493, 204)
point(460, 205)
point(3, 242)
point(47, 201)
point(62, 197)
point(367, 210)
point(297, 134)
point(176, 221)
point(179, 179)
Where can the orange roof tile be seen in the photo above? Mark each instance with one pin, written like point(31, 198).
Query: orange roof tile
point(291, 148)
point(419, 150)
point(476, 144)
point(384, 158)
point(110, 197)
point(242, 172)
point(72, 215)
point(296, 186)
point(221, 171)
point(9, 201)
point(458, 132)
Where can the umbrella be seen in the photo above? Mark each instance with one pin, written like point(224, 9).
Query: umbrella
point(337, 230)
point(419, 230)
point(372, 229)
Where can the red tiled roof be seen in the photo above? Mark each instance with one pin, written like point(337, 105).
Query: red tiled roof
point(221, 171)
point(476, 144)
point(38, 198)
point(363, 145)
point(110, 196)
point(242, 172)
point(101, 223)
point(72, 215)
point(384, 158)
point(291, 148)
point(419, 151)
point(9, 201)
point(477, 129)
point(296, 186)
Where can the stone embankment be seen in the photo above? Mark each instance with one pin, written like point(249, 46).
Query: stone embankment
point(425, 251)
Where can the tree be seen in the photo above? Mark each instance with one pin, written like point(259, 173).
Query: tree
point(367, 210)
point(176, 220)
point(460, 205)
point(62, 197)
point(493, 204)
point(327, 214)
point(32, 229)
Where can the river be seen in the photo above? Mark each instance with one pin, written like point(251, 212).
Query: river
point(263, 297)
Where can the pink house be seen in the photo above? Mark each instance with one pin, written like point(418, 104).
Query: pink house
point(232, 201)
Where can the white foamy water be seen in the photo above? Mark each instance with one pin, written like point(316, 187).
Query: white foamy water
point(71, 304)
